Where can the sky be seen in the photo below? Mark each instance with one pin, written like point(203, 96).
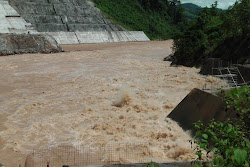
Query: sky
point(223, 4)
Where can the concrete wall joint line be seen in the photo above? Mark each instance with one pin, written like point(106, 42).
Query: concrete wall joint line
point(77, 37)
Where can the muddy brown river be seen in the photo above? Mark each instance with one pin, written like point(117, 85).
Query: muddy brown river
point(94, 94)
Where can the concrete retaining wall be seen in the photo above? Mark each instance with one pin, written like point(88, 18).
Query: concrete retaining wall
point(199, 105)
point(63, 15)
point(68, 21)
point(71, 21)
point(11, 22)
point(18, 36)
point(97, 36)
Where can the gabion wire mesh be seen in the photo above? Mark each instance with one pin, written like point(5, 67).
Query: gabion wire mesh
point(70, 155)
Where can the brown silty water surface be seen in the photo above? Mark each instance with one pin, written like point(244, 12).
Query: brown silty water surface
point(94, 94)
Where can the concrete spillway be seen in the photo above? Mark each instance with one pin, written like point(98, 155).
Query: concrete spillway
point(72, 21)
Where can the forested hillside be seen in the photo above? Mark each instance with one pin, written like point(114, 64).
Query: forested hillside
point(159, 19)
point(191, 10)
point(215, 33)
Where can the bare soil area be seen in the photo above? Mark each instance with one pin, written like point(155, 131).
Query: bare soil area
point(94, 94)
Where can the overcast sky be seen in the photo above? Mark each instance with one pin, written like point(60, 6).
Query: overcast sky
point(223, 4)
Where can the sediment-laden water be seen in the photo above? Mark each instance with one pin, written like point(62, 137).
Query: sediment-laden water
point(98, 95)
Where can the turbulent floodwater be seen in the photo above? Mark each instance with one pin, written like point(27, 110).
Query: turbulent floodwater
point(94, 94)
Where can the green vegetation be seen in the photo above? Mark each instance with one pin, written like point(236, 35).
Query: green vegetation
point(1, 165)
point(159, 19)
point(209, 31)
point(191, 10)
point(227, 142)
point(152, 164)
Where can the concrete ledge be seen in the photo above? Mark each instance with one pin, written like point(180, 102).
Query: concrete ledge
point(174, 164)
point(113, 36)
point(82, 20)
point(39, 1)
point(89, 27)
point(50, 27)
point(98, 37)
point(64, 37)
point(43, 19)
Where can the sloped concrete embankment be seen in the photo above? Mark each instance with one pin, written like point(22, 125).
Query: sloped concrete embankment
point(12, 22)
point(17, 36)
point(27, 43)
point(97, 37)
point(63, 15)
point(74, 21)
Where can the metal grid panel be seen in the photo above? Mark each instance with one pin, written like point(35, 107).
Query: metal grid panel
point(69, 155)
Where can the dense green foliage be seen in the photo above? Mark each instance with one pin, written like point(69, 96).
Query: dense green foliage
point(159, 19)
point(229, 141)
point(211, 28)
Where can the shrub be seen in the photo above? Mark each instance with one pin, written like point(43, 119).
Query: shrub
point(211, 30)
point(152, 164)
point(228, 142)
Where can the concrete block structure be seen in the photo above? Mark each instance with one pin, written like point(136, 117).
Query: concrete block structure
point(11, 21)
point(18, 36)
point(68, 21)
point(200, 105)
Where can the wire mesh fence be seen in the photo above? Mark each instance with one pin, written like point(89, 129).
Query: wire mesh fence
point(69, 155)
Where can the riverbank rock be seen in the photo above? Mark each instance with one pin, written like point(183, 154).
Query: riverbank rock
point(27, 43)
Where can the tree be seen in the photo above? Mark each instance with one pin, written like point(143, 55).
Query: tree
point(214, 10)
